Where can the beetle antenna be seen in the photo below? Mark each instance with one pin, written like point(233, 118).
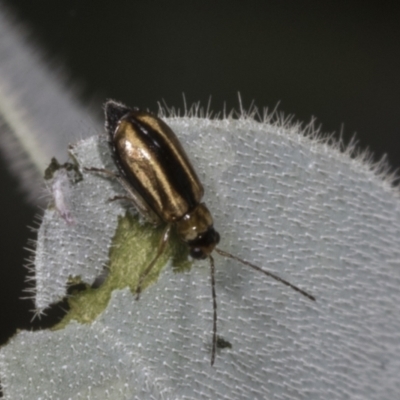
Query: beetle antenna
point(214, 297)
point(270, 274)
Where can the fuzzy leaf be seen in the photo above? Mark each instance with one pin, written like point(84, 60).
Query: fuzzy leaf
point(291, 204)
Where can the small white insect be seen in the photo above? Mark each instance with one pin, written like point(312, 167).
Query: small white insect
point(60, 189)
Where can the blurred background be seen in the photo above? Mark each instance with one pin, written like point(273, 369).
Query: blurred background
point(338, 62)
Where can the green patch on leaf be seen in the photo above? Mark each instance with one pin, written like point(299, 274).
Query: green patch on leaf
point(133, 248)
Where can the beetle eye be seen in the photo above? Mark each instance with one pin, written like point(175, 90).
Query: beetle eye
point(197, 253)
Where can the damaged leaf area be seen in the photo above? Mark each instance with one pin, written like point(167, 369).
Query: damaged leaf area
point(85, 237)
point(132, 247)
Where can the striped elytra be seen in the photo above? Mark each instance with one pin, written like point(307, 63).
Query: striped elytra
point(153, 161)
point(159, 179)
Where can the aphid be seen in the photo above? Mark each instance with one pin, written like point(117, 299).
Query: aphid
point(60, 176)
point(60, 190)
point(160, 180)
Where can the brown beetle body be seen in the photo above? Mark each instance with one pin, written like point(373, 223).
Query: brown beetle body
point(159, 178)
point(152, 161)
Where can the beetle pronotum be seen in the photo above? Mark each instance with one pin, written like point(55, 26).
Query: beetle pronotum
point(160, 180)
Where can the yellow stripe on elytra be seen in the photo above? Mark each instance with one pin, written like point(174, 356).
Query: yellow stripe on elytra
point(143, 163)
point(165, 132)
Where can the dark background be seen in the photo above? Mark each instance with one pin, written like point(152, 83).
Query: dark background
point(337, 61)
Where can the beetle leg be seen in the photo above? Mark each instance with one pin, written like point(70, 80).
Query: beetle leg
point(144, 210)
point(127, 198)
point(161, 248)
point(102, 170)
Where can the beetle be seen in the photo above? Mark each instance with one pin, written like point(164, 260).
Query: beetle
point(159, 179)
